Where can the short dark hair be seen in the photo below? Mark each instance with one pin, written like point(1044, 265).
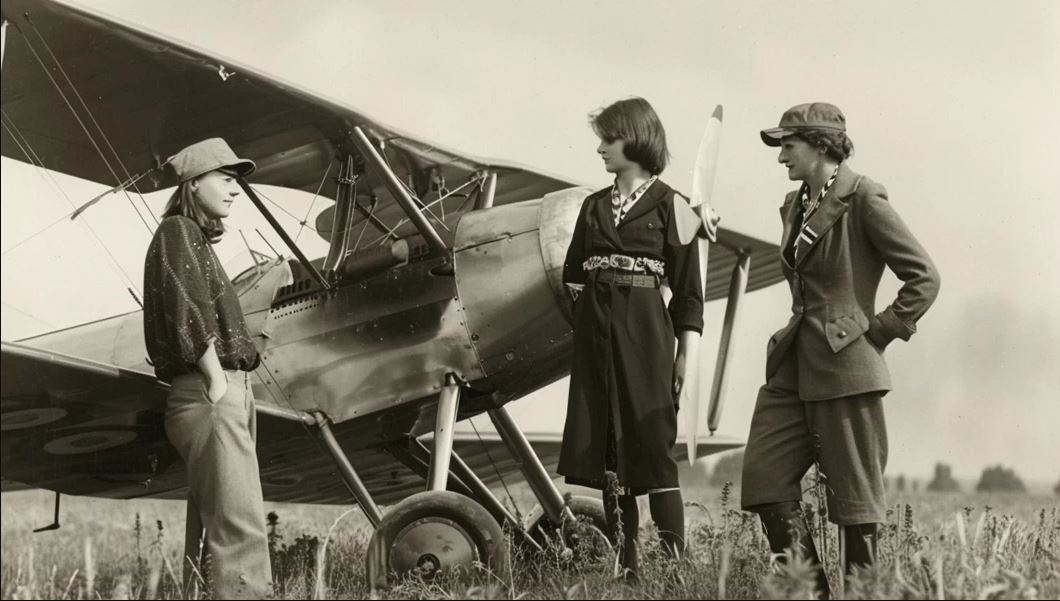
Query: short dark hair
point(634, 122)
point(836, 144)
point(183, 202)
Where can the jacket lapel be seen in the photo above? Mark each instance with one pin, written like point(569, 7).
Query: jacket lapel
point(788, 214)
point(832, 208)
point(646, 203)
point(605, 216)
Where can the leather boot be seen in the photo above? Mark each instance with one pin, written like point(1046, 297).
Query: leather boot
point(668, 513)
point(860, 546)
point(786, 528)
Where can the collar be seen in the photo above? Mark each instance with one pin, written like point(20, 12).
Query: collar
point(804, 193)
point(831, 207)
point(620, 205)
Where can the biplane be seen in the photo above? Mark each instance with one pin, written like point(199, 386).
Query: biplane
point(439, 298)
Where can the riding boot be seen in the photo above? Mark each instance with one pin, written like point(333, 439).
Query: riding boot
point(860, 546)
point(786, 528)
point(668, 513)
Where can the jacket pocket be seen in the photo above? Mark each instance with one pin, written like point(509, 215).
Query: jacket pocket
point(843, 330)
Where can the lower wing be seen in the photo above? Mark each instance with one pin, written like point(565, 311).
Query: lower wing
point(86, 428)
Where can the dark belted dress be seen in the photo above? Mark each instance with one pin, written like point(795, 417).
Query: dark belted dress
point(620, 410)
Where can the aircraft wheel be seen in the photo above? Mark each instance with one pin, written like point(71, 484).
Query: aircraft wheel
point(583, 540)
point(434, 531)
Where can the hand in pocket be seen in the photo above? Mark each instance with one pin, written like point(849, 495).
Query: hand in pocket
point(217, 389)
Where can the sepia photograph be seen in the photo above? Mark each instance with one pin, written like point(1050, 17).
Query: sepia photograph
point(584, 300)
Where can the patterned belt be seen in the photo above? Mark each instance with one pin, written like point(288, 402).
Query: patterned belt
point(641, 264)
point(635, 280)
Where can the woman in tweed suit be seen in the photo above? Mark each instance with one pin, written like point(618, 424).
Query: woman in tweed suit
point(825, 371)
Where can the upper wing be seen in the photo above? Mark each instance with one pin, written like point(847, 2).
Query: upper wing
point(91, 97)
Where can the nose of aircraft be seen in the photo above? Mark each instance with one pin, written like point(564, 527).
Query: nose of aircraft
point(509, 269)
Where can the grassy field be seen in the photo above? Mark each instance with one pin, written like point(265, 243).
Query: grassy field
point(933, 546)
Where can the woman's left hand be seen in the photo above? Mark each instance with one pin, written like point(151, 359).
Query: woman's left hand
point(679, 378)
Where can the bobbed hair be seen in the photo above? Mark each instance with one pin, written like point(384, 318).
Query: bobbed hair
point(634, 122)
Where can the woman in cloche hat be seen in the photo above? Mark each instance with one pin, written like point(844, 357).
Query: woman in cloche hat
point(198, 342)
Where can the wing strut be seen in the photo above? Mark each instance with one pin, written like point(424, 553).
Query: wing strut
point(401, 195)
point(313, 271)
point(340, 229)
point(487, 193)
point(348, 474)
point(537, 477)
point(737, 287)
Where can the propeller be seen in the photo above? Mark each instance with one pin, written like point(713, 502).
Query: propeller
point(702, 189)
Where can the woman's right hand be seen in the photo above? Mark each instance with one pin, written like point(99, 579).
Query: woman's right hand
point(217, 388)
point(213, 373)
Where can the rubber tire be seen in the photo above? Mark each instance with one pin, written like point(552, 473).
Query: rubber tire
point(584, 508)
point(472, 517)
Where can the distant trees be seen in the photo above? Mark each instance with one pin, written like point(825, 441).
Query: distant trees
point(899, 483)
point(1000, 479)
point(1056, 489)
point(943, 480)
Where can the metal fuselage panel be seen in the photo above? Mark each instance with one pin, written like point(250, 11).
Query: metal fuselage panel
point(509, 263)
point(370, 346)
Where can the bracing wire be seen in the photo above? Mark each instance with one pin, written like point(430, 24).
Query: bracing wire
point(102, 133)
point(84, 128)
point(382, 239)
point(29, 315)
point(31, 156)
point(275, 204)
point(497, 470)
point(367, 222)
point(34, 159)
point(308, 211)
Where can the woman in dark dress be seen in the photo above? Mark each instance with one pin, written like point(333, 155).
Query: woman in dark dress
point(625, 381)
point(198, 342)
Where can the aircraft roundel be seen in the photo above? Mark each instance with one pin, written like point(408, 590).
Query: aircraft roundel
point(89, 442)
point(30, 418)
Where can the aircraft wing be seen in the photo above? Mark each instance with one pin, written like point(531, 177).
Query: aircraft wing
point(101, 100)
point(79, 426)
point(89, 96)
point(481, 453)
point(87, 428)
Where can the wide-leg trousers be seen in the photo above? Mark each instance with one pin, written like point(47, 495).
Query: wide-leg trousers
point(217, 443)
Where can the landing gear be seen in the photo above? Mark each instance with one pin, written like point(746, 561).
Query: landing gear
point(585, 536)
point(435, 531)
point(439, 530)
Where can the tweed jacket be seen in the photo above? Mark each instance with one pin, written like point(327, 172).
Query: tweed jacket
point(834, 329)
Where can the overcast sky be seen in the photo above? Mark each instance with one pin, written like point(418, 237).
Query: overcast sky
point(951, 105)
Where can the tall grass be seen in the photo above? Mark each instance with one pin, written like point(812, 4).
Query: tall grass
point(946, 546)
